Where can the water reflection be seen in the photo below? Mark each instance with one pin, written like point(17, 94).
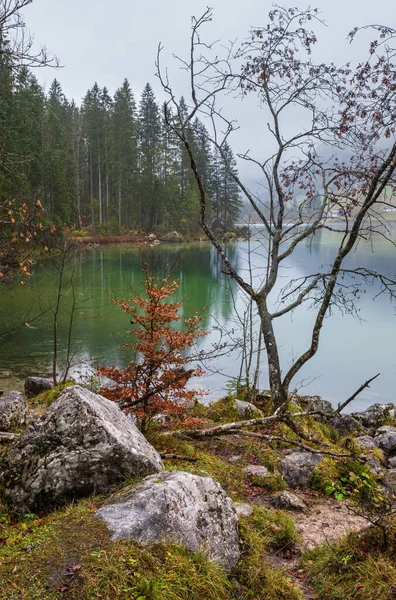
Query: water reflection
point(351, 350)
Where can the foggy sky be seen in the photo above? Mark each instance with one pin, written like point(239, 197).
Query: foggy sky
point(108, 41)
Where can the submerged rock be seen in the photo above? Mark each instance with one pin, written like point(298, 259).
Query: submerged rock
point(297, 468)
point(13, 410)
point(83, 444)
point(179, 508)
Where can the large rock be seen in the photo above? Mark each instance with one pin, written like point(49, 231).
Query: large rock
point(375, 415)
point(179, 508)
point(83, 444)
point(316, 403)
point(172, 236)
point(13, 410)
point(344, 424)
point(366, 442)
point(35, 385)
point(386, 439)
point(390, 479)
point(247, 410)
point(297, 468)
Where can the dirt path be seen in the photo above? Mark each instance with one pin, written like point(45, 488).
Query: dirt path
point(323, 522)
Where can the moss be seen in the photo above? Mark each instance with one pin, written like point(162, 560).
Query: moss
point(274, 482)
point(49, 396)
point(223, 410)
point(208, 465)
point(69, 555)
point(325, 474)
point(358, 566)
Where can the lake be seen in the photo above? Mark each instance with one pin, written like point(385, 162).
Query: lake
point(351, 351)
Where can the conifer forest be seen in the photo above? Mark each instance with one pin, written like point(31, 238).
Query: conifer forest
point(111, 164)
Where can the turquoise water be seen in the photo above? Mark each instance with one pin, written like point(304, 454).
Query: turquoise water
point(352, 349)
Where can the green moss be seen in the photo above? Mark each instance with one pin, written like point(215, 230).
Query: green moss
point(223, 410)
point(274, 482)
point(49, 396)
point(229, 476)
point(69, 555)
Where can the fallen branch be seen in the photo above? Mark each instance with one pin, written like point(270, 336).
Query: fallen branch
point(280, 438)
point(220, 429)
point(362, 387)
point(171, 456)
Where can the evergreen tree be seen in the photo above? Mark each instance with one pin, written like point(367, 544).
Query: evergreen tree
point(124, 154)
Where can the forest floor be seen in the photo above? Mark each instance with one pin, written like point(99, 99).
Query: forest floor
point(325, 552)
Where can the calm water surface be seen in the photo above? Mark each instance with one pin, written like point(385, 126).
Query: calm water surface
point(352, 349)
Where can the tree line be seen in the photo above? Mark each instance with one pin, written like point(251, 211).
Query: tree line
point(112, 164)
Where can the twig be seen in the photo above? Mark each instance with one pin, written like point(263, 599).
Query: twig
point(281, 438)
point(362, 387)
point(171, 456)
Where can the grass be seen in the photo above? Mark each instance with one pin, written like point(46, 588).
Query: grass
point(68, 555)
point(265, 531)
point(359, 567)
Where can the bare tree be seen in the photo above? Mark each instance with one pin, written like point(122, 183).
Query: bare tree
point(340, 159)
point(16, 43)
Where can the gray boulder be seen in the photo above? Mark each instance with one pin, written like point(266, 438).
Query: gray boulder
point(344, 424)
point(247, 410)
point(179, 508)
point(35, 385)
point(288, 501)
point(366, 442)
point(374, 465)
point(392, 462)
point(386, 439)
point(375, 415)
point(13, 410)
point(390, 479)
point(297, 468)
point(254, 470)
point(83, 444)
point(314, 403)
point(385, 429)
point(172, 236)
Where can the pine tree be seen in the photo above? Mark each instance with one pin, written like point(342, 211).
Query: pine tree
point(149, 143)
point(124, 154)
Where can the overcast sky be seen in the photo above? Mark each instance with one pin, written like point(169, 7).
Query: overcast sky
point(108, 41)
